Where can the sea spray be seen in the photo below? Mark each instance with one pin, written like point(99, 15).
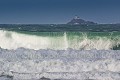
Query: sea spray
point(74, 40)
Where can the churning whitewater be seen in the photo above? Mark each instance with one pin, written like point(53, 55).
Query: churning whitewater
point(70, 64)
point(59, 55)
point(59, 41)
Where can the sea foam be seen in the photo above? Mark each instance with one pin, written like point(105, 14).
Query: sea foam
point(13, 40)
point(60, 64)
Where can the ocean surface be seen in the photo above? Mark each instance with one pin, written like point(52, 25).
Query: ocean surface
point(59, 51)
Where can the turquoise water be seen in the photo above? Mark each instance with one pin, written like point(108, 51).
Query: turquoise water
point(60, 36)
point(60, 40)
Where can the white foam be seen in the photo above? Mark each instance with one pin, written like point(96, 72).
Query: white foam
point(63, 64)
point(13, 40)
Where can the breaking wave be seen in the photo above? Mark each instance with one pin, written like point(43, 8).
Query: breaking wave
point(81, 41)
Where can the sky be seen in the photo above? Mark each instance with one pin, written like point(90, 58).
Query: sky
point(58, 11)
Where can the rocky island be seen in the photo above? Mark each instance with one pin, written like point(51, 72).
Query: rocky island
point(77, 21)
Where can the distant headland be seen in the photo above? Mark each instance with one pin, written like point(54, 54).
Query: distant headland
point(77, 21)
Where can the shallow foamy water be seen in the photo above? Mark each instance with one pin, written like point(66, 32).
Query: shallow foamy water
point(60, 64)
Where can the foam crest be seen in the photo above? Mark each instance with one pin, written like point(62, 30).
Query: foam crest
point(14, 40)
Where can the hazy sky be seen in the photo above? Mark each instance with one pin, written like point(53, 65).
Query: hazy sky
point(58, 11)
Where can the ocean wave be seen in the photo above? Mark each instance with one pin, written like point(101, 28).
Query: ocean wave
point(83, 41)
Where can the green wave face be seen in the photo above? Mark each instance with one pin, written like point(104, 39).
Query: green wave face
point(60, 40)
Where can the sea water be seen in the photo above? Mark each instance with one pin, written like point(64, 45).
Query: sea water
point(61, 54)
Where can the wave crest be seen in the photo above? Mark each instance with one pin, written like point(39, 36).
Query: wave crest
point(84, 41)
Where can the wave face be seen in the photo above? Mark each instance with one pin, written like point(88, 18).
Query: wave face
point(60, 40)
point(24, 64)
